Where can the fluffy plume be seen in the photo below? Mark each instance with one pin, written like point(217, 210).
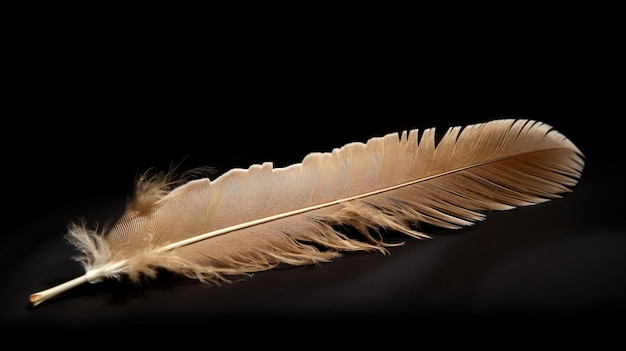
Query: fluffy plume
point(254, 219)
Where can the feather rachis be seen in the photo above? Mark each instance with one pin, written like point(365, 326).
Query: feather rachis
point(258, 218)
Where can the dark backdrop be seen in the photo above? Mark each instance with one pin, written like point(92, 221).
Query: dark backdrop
point(84, 126)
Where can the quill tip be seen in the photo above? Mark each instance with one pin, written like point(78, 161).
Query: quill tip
point(34, 299)
point(41, 296)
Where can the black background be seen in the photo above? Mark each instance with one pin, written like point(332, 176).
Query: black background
point(90, 112)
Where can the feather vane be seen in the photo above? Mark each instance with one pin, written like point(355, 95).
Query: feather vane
point(249, 220)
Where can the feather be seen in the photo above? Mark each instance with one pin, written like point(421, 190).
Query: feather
point(255, 219)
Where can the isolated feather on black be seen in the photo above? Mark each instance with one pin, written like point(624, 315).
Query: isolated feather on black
point(254, 219)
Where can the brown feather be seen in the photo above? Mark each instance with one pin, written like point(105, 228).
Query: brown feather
point(254, 219)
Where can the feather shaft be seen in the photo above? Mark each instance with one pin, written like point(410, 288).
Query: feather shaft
point(37, 298)
point(311, 208)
